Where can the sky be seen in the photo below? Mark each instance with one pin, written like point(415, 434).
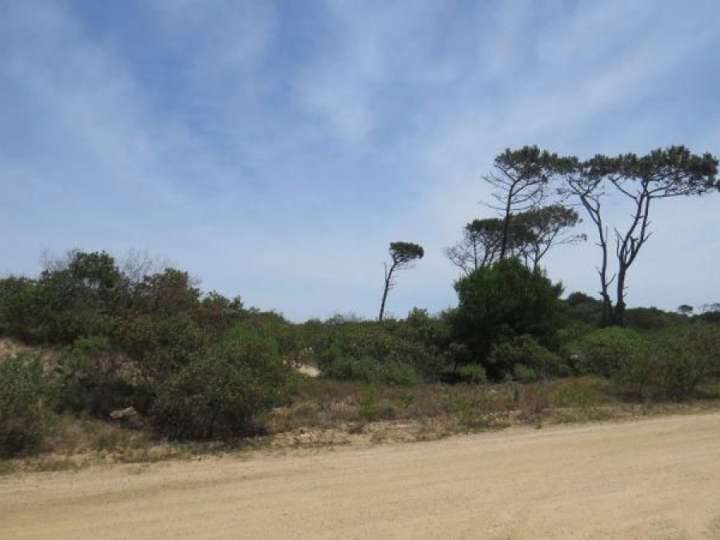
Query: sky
point(274, 149)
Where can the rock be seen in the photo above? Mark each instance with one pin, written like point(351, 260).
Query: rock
point(128, 416)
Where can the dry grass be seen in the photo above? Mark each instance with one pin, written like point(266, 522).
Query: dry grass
point(326, 413)
point(325, 408)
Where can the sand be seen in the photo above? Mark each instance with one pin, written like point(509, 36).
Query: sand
point(657, 478)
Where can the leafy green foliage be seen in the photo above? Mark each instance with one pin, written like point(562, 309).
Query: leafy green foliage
point(203, 366)
point(95, 378)
point(501, 302)
point(159, 345)
point(651, 318)
point(583, 308)
point(18, 308)
point(222, 390)
point(471, 374)
point(369, 370)
point(380, 343)
point(527, 360)
point(402, 255)
point(674, 366)
point(27, 395)
point(404, 252)
point(602, 351)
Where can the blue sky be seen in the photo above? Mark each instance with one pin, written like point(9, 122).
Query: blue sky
point(274, 149)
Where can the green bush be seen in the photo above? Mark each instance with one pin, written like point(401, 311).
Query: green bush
point(500, 302)
point(676, 364)
point(603, 351)
point(525, 374)
point(96, 379)
point(583, 309)
point(398, 374)
point(471, 374)
point(77, 297)
point(222, 391)
point(357, 342)
point(652, 318)
point(159, 345)
point(527, 360)
point(18, 308)
point(371, 371)
point(27, 396)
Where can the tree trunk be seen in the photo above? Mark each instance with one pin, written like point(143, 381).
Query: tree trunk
point(386, 289)
point(618, 318)
point(506, 226)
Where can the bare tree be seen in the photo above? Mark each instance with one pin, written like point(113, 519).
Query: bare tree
point(136, 264)
point(482, 242)
point(590, 192)
point(479, 247)
point(520, 181)
point(545, 227)
point(402, 255)
point(661, 174)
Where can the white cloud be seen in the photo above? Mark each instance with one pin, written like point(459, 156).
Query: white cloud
point(282, 174)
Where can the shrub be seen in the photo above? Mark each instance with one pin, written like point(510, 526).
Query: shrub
point(27, 394)
point(360, 341)
point(222, 390)
point(159, 345)
point(166, 293)
point(603, 351)
point(371, 408)
point(527, 360)
point(471, 374)
point(217, 313)
point(77, 297)
point(97, 379)
point(18, 309)
point(371, 371)
point(678, 362)
point(398, 374)
point(500, 302)
point(584, 309)
point(651, 318)
point(523, 373)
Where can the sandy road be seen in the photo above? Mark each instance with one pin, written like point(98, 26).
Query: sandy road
point(658, 478)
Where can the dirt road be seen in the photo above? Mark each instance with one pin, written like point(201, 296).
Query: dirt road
point(658, 478)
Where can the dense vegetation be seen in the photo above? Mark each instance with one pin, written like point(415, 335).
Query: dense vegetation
point(202, 366)
point(195, 365)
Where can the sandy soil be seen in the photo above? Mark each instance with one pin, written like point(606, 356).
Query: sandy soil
point(656, 478)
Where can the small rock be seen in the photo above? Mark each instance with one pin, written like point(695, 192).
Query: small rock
point(128, 416)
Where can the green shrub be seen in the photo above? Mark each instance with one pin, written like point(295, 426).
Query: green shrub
point(584, 309)
point(500, 302)
point(471, 374)
point(357, 342)
point(222, 391)
point(525, 374)
point(371, 371)
point(97, 379)
point(676, 364)
point(527, 360)
point(603, 351)
point(651, 318)
point(77, 297)
point(18, 308)
point(398, 374)
point(160, 345)
point(27, 396)
point(371, 408)
point(165, 294)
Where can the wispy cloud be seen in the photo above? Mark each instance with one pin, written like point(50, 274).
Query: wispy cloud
point(275, 149)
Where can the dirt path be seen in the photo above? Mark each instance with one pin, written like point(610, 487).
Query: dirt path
point(651, 479)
